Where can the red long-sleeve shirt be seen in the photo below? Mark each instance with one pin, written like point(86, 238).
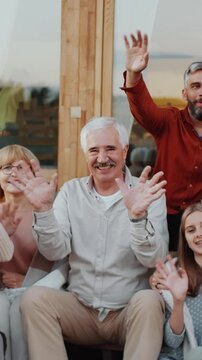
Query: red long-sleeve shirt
point(179, 148)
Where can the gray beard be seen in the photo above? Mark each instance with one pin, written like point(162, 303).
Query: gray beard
point(196, 113)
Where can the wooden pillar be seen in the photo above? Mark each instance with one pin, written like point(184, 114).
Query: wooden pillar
point(85, 76)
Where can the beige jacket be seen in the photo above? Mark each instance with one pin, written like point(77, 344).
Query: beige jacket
point(6, 245)
point(110, 258)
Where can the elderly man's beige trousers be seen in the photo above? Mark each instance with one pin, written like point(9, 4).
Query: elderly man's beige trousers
point(49, 315)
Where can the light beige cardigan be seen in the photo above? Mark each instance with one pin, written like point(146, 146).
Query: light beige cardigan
point(6, 245)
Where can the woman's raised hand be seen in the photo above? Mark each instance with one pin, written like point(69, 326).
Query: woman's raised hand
point(38, 191)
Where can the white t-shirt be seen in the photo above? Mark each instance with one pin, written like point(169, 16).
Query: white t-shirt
point(109, 200)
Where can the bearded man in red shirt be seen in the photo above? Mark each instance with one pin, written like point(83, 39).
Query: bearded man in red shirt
point(177, 133)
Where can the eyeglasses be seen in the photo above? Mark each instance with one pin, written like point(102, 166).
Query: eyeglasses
point(8, 169)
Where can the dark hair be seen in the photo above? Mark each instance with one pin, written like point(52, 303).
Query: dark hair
point(186, 255)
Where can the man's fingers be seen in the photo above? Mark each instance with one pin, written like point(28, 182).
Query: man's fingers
point(157, 195)
point(145, 41)
point(122, 186)
point(139, 38)
point(127, 45)
point(155, 188)
point(155, 178)
point(145, 174)
point(134, 41)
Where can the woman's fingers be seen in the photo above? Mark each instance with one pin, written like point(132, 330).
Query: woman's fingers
point(54, 182)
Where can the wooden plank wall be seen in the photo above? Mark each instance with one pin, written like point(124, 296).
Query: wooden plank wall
point(107, 54)
point(86, 76)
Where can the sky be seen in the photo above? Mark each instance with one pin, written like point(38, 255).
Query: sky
point(174, 28)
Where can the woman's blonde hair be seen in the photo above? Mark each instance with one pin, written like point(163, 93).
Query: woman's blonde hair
point(11, 153)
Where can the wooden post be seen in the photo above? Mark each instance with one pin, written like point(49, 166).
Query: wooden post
point(85, 77)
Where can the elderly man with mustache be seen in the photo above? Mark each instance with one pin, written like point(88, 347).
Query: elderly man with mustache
point(113, 228)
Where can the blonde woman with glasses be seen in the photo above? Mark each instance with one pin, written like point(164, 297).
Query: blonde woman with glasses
point(16, 217)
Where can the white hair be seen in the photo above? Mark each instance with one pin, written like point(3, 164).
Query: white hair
point(97, 123)
point(192, 68)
